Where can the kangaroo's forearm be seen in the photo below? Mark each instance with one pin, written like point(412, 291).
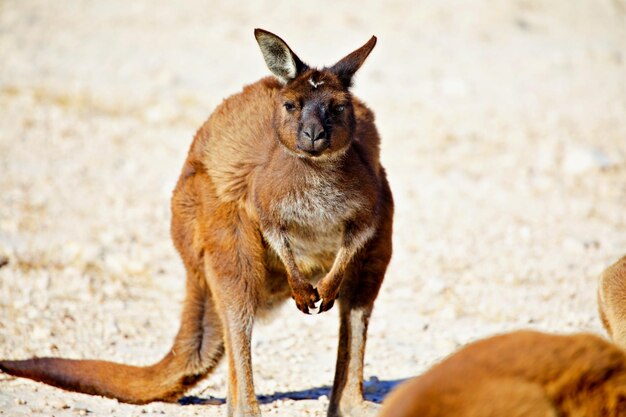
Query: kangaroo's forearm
point(302, 291)
point(294, 276)
point(354, 239)
point(280, 243)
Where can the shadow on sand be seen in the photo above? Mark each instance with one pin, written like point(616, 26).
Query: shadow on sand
point(375, 390)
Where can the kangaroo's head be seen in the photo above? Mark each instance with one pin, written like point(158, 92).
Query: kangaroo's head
point(314, 117)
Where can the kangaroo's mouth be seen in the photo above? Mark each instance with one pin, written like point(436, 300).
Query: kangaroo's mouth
point(310, 152)
point(313, 148)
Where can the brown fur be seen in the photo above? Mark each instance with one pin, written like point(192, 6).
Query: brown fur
point(520, 374)
point(261, 212)
point(528, 373)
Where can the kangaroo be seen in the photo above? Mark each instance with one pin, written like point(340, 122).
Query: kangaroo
point(612, 301)
point(519, 374)
point(528, 373)
point(282, 194)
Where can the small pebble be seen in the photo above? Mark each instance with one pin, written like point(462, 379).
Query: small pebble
point(58, 403)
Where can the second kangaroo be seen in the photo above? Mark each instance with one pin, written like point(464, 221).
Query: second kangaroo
point(282, 194)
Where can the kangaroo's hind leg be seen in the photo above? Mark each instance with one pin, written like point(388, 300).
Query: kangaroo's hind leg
point(235, 270)
point(356, 299)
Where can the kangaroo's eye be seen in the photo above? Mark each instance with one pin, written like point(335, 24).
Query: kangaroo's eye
point(337, 110)
point(289, 106)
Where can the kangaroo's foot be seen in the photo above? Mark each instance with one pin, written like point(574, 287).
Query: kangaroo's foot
point(356, 408)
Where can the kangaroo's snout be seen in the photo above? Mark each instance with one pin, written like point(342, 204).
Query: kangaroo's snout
point(313, 137)
point(314, 132)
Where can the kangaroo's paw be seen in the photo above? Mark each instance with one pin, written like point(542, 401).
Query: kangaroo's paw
point(306, 297)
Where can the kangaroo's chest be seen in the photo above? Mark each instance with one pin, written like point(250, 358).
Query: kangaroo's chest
point(320, 206)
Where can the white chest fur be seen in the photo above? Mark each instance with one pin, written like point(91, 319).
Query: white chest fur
point(318, 202)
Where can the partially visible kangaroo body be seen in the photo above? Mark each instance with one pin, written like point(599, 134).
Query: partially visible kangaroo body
point(282, 194)
point(528, 373)
point(520, 374)
point(612, 301)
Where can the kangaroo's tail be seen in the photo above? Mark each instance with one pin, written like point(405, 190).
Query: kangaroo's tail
point(197, 349)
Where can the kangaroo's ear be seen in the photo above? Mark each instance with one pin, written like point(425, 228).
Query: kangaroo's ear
point(279, 58)
point(348, 65)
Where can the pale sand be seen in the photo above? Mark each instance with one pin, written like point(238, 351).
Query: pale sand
point(504, 135)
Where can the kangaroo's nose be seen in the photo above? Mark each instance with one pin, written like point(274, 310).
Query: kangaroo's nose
point(314, 132)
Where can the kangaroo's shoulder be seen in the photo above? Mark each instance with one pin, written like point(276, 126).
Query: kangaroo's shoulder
point(256, 98)
point(366, 145)
point(243, 115)
point(235, 139)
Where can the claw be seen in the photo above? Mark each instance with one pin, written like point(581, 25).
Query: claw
point(325, 306)
point(315, 309)
point(306, 298)
point(304, 309)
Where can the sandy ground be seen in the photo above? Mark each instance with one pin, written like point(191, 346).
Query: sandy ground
point(504, 135)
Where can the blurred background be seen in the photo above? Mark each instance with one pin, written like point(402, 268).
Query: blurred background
point(503, 126)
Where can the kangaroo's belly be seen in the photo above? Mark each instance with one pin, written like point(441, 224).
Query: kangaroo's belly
point(315, 250)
